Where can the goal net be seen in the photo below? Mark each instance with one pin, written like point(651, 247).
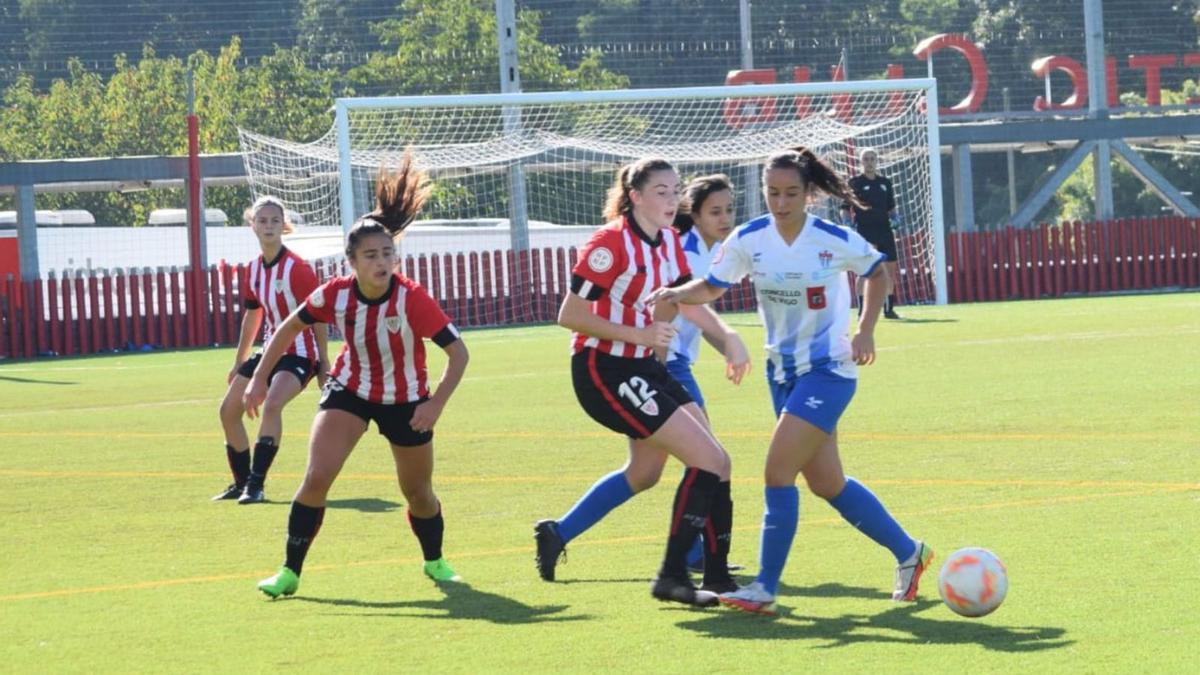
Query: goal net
point(519, 179)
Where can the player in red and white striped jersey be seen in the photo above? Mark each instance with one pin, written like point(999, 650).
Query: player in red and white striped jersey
point(378, 376)
point(278, 281)
point(621, 384)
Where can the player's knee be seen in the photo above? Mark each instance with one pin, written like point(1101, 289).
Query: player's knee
point(230, 410)
point(273, 407)
point(643, 478)
point(824, 487)
point(317, 482)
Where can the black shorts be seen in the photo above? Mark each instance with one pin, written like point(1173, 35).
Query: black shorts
point(630, 396)
point(394, 420)
point(299, 366)
point(883, 239)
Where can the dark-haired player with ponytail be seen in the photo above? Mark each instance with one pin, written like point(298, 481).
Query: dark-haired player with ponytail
point(705, 218)
point(378, 376)
point(799, 264)
point(622, 385)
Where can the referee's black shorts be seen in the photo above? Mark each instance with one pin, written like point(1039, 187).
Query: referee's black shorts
point(883, 239)
point(634, 397)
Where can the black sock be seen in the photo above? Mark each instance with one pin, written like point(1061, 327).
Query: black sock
point(303, 524)
point(889, 304)
point(264, 455)
point(718, 534)
point(693, 502)
point(429, 533)
point(239, 463)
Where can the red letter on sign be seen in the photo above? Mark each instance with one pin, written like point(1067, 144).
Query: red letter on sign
point(742, 111)
point(979, 77)
point(1045, 66)
point(1153, 65)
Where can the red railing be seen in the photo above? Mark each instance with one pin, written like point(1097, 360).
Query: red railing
point(1073, 258)
point(147, 309)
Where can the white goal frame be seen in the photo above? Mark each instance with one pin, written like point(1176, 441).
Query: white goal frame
point(513, 101)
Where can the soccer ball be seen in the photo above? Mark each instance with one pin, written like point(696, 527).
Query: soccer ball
point(973, 582)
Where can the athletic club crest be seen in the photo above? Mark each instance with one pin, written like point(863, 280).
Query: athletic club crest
point(826, 258)
point(650, 407)
point(317, 299)
point(393, 323)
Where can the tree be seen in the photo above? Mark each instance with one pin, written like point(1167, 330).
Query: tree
point(450, 47)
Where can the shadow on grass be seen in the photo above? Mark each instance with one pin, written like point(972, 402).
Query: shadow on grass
point(899, 624)
point(365, 505)
point(460, 601)
point(26, 380)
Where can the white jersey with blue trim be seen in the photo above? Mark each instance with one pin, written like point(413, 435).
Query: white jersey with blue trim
point(686, 343)
point(802, 290)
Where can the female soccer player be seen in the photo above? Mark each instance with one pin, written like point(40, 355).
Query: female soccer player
point(379, 375)
point(705, 219)
point(621, 385)
point(708, 219)
point(798, 262)
point(278, 282)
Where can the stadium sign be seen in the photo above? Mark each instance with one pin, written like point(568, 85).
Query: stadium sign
point(751, 111)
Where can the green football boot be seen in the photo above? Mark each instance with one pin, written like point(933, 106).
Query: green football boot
point(439, 570)
point(285, 582)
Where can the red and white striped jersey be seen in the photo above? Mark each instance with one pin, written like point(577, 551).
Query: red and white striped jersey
point(278, 287)
point(618, 268)
point(383, 360)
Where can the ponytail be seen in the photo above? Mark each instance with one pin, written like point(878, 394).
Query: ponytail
point(398, 198)
point(815, 172)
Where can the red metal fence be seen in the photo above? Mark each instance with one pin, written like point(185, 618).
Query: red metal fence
point(148, 309)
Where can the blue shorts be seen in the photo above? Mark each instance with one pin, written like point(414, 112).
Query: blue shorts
point(681, 369)
point(818, 397)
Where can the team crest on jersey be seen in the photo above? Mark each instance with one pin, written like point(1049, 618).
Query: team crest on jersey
point(393, 323)
point(826, 259)
point(317, 299)
point(600, 260)
point(650, 407)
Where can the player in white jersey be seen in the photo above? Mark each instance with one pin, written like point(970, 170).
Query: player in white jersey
point(276, 283)
point(705, 218)
point(798, 263)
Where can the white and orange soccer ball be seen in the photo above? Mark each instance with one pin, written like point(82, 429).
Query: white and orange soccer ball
point(973, 582)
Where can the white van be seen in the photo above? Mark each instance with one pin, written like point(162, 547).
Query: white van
point(178, 217)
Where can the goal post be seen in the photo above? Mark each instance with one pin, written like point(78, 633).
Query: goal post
point(565, 146)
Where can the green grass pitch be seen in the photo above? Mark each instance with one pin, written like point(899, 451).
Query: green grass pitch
point(1063, 435)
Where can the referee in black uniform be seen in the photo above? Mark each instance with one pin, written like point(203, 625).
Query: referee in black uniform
point(874, 224)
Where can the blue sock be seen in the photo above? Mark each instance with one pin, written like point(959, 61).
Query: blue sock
point(778, 531)
point(695, 555)
point(607, 494)
point(862, 509)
